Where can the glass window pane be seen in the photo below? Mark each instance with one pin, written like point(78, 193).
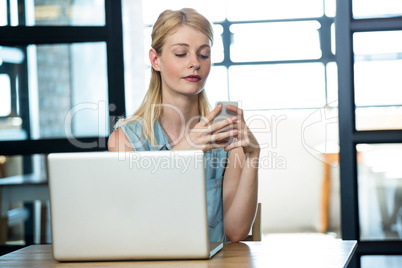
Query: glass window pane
point(66, 86)
point(135, 54)
point(278, 86)
point(217, 48)
point(374, 8)
point(330, 8)
point(59, 12)
point(13, 12)
point(275, 41)
point(332, 84)
point(147, 44)
point(217, 85)
point(378, 83)
point(138, 92)
point(380, 191)
point(333, 43)
point(5, 95)
point(377, 79)
point(379, 118)
point(3, 13)
point(388, 261)
point(271, 9)
point(385, 44)
point(213, 10)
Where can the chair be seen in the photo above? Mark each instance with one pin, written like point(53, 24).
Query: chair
point(256, 228)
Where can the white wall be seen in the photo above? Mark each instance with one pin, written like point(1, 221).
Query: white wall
point(291, 170)
point(291, 194)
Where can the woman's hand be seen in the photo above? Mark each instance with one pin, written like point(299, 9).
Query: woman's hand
point(245, 139)
point(205, 136)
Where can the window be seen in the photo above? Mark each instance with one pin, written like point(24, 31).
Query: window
point(369, 107)
point(67, 85)
point(61, 81)
point(376, 9)
point(5, 93)
point(273, 10)
point(53, 13)
point(377, 68)
point(380, 191)
point(3, 12)
point(283, 55)
point(378, 64)
point(277, 41)
point(278, 86)
point(54, 78)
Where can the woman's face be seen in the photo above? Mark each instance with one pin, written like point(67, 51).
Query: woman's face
point(185, 61)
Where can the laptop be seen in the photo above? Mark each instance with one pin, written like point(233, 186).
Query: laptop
point(129, 206)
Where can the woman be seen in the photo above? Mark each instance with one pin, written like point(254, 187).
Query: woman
point(174, 115)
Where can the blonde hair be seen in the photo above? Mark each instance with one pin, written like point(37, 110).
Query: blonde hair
point(150, 110)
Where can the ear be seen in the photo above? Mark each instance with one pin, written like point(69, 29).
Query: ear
point(154, 59)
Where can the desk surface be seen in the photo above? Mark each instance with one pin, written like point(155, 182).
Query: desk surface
point(335, 253)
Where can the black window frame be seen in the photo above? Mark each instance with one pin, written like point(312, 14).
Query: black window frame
point(349, 137)
point(325, 45)
point(111, 33)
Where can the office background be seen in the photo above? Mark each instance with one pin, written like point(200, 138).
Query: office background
point(69, 69)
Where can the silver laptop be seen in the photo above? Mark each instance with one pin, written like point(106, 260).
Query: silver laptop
point(129, 205)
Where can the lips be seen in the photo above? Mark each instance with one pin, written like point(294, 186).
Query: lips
point(192, 78)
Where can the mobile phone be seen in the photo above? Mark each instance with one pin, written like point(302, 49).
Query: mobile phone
point(224, 113)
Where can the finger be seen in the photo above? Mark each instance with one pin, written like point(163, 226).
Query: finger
point(210, 117)
point(208, 144)
point(242, 127)
point(236, 144)
point(238, 123)
point(226, 123)
point(235, 109)
point(224, 129)
point(217, 145)
point(224, 136)
point(229, 127)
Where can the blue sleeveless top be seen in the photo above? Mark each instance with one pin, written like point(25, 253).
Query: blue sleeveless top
point(215, 161)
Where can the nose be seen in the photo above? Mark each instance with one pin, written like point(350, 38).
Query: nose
point(194, 62)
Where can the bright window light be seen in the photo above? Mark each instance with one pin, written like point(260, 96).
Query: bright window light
point(278, 85)
point(298, 77)
point(5, 95)
point(272, 9)
point(279, 41)
point(374, 8)
point(214, 10)
point(3, 12)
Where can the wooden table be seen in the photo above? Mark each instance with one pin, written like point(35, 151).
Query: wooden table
point(299, 253)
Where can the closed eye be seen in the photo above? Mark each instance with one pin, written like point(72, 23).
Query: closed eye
point(203, 56)
point(180, 55)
